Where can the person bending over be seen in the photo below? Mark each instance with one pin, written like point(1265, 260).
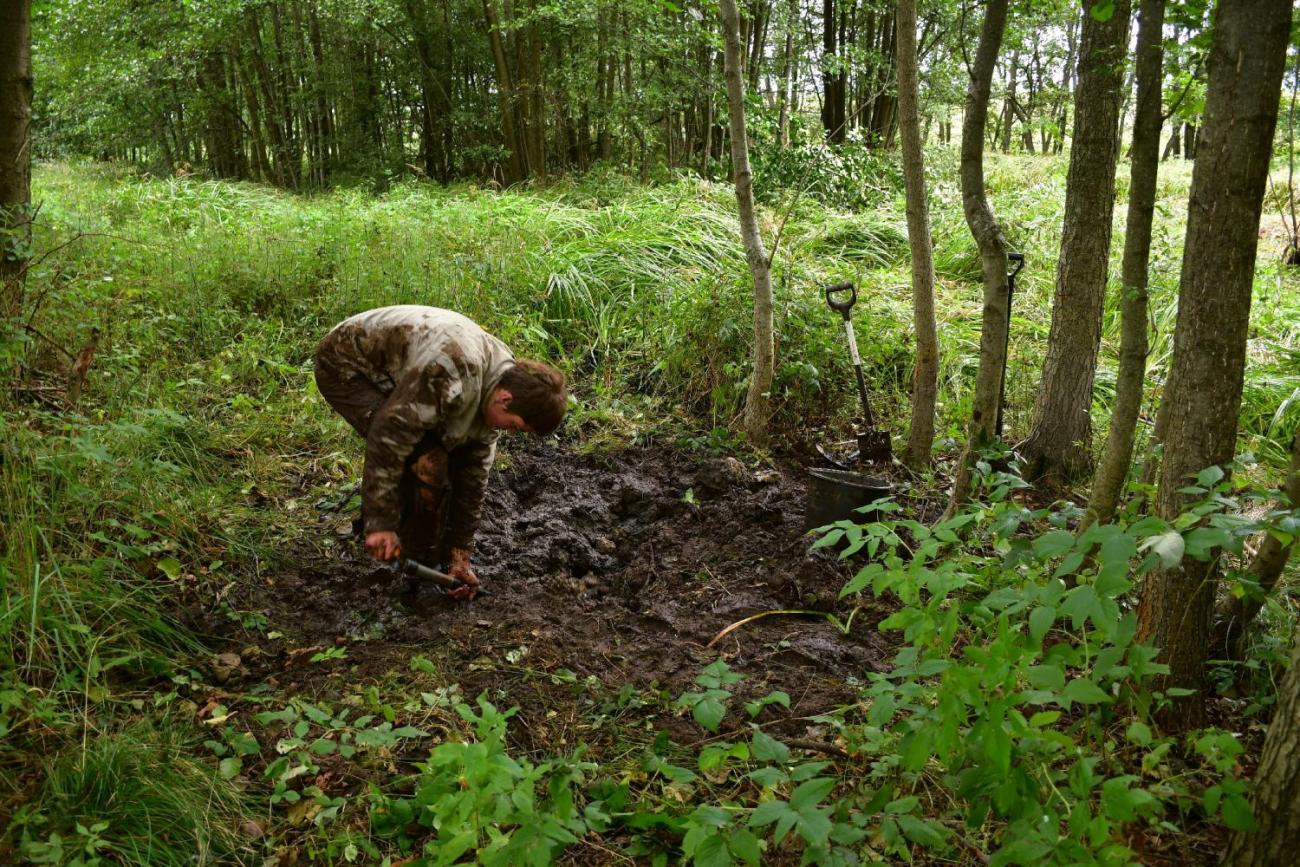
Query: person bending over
point(430, 391)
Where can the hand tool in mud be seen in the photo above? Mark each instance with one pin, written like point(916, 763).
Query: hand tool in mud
point(1018, 259)
point(444, 582)
point(873, 444)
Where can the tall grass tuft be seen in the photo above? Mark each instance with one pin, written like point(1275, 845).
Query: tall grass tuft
point(134, 796)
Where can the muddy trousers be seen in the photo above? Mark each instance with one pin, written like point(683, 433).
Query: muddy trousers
point(425, 490)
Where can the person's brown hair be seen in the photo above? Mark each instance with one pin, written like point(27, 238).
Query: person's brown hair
point(537, 394)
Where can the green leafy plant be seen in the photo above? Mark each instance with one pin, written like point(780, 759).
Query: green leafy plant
point(473, 797)
point(710, 706)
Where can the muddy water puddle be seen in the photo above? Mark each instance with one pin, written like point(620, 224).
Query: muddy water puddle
point(620, 566)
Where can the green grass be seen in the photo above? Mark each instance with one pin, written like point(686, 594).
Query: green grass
point(135, 796)
point(199, 433)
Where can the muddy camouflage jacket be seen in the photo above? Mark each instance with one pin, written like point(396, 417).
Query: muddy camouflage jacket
point(438, 368)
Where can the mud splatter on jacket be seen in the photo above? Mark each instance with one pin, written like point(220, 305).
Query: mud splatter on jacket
point(438, 369)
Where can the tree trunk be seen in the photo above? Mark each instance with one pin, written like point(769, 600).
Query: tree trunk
point(15, 152)
point(833, 78)
point(1145, 157)
point(1265, 569)
point(281, 167)
point(435, 101)
point(604, 89)
point(762, 12)
point(1174, 146)
point(758, 401)
point(1203, 396)
point(992, 246)
point(326, 145)
point(1059, 447)
point(787, 70)
point(219, 117)
point(535, 94)
point(925, 377)
point(261, 164)
point(505, 97)
point(1009, 109)
point(1276, 838)
point(1063, 109)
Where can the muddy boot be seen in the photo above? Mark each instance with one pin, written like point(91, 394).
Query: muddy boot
point(423, 495)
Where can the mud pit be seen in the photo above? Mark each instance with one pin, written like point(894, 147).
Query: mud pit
point(620, 566)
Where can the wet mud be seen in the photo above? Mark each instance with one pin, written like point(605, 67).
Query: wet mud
point(621, 566)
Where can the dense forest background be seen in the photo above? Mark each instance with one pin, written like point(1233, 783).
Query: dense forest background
point(308, 93)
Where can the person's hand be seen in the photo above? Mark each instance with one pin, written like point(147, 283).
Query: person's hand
point(383, 545)
point(460, 570)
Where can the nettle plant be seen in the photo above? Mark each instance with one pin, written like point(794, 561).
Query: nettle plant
point(1022, 693)
point(308, 733)
point(473, 797)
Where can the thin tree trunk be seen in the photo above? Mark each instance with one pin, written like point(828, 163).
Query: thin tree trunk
point(993, 250)
point(15, 151)
point(1265, 569)
point(1203, 397)
point(833, 77)
point(1276, 838)
point(324, 121)
point(762, 18)
point(1009, 119)
point(1059, 447)
point(1174, 146)
point(787, 70)
point(536, 95)
point(604, 89)
point(283, 171)
point(261, 164)
point(1145, 156)
point(505, 96)
point(435, 104)
point(925, 378)
point(1071, 59)
point(758, 401)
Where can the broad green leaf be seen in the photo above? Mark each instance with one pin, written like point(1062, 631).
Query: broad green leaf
point(1084, 692)
point(811, 792)
point(1209, 477)
point(922, 831)
point(712, 852)
point(1237, 814)
point(171, 567)
point(1202, 541)
point(902, 805)
point(1040, 621)
point(1046, 677)
point(744, 845)
point(1138, 733)
point(766, 748)
point(229, 768)
point(1053, 544)
point(709, 712)
point(768, 812)
point(1122, 802)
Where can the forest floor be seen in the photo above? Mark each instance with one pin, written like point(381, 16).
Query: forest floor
point(607, 577)
point(620, 566)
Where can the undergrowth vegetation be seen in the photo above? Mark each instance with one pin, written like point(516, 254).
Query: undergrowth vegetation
point(1015, 724)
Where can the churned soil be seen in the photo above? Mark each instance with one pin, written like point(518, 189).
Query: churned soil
point(620, 566)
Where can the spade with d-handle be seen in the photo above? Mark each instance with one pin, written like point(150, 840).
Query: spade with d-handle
point(873, 445)
point(1018, 259)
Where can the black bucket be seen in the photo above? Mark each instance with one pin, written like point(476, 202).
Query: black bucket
point(834, 494)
